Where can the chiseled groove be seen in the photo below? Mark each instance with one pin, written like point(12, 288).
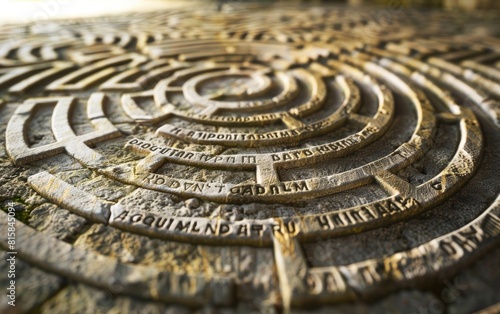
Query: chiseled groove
point(16, 146)
point(467, 74)
point(385, 104)
point(443, 255)
point(87, 76)
point(327, 124)
point(425, 122)
point(189, 229)
point(82, 203)
point(373, 276)
point(487, 105)
point(179, 47)
point(116, 83)
point(346, 228)
point(469, 149)
point(483, 69)
point(58, 69)
point(105, 272)
point(313, 183)
point(212, 105)
point(132, 109)
point(255, 119)
point(8, 76)
point(67, 140)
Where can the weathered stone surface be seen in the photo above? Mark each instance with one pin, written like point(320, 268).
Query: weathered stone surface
point(77, 298)
point(406, 301)
point(241, 158)
point(57, 222)
point(475, 286)
point(33, 286)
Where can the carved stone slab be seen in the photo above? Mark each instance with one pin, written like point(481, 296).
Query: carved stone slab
point(253, 158)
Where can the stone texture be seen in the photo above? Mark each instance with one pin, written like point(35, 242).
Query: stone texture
point(252, 159)
point(57, 222)
point(77, 298)
point(32, 285)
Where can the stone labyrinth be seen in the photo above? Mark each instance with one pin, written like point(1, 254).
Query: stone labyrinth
point(266, 159)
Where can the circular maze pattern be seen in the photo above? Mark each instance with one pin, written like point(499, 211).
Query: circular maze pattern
point(282, 149)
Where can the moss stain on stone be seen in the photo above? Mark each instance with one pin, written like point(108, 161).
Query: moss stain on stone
point(23, 215)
